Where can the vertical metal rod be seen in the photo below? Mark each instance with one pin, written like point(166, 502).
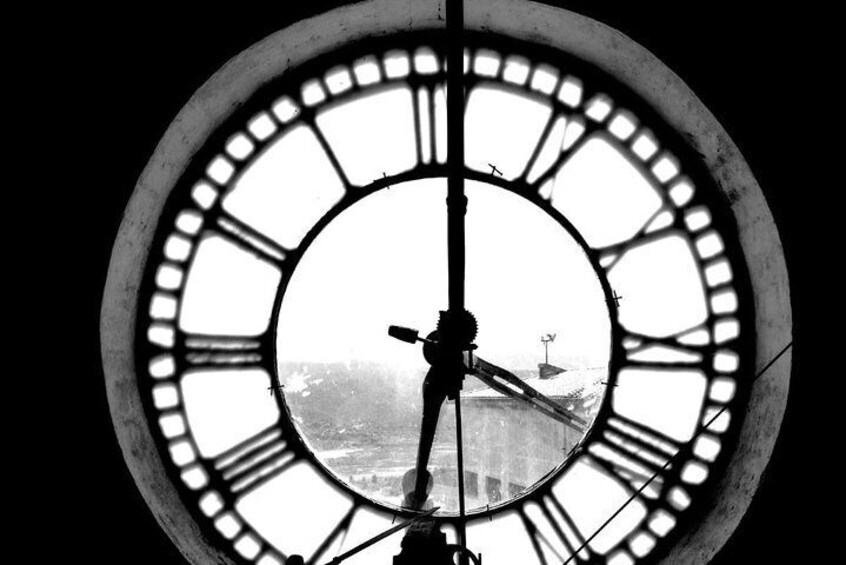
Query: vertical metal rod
point(456, 201)
point(456, 210)
point(460, 446)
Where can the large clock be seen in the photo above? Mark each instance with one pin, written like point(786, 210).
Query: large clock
point(296, 210)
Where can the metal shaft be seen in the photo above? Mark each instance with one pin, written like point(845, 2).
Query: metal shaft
point(456, 210)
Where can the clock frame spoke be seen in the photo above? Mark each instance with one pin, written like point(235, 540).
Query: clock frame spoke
point(309, 119)
point(248, 238)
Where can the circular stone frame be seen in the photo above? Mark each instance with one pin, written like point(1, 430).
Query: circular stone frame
point(595, 43)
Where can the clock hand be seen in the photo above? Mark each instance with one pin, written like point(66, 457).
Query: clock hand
point(505, 382)
point(456, 200)
point(379, 537)
point(444, 350)
point(434, 394)
point(408, 335)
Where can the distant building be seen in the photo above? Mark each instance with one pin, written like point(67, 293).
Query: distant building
point(509, 446)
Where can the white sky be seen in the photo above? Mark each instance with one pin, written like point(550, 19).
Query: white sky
point(384, 261)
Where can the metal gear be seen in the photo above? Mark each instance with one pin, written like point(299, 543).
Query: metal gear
point(461, 329)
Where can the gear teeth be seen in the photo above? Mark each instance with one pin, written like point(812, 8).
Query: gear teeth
point(464, 329)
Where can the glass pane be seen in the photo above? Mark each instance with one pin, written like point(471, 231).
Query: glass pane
point(502, 539)
point(603, 193)
point(281, 511)
point(225, 408)
point(502, 128)
point(287, 188)
point(372, 135)
point(667, 401)
point(661, 288)
point(355, 393)
point(228, 291)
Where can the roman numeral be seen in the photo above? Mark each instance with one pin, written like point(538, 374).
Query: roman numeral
point(690, 348)
point(662, 223)
point(438, 117)
point(253, 462)
point(553, 533)
point(248, 238)
point(542, 141)
point(538, 539)
point(633, 454)
point(196, 351)
point(422, 105)
point(572, 146)
point(584, 553)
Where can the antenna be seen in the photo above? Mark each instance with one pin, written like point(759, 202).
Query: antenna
point(546, 340)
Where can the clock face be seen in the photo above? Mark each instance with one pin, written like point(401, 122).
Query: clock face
point(315, 218)
point(603, 270)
